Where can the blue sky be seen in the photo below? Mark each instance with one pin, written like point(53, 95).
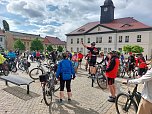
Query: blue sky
point(59, 17)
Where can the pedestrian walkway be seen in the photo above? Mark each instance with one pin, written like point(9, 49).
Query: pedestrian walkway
point(85, 100)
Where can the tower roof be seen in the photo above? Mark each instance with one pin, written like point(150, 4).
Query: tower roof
point(108, 2)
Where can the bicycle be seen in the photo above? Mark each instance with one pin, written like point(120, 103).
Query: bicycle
point(50, 85)
point(24, 65)
point(129, 102)
point(100, 77)
point(35, 72)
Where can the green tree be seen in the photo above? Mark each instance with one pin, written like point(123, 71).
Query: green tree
point(36, 44)
point(60, 48)
point(49, 48)
point(133, 48)
point(5, 25)
point(18, 44)
point(137, 49)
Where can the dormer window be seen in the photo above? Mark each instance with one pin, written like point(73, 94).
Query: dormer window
point(81, 30)
point(126, 25)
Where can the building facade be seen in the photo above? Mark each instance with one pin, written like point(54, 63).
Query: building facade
point(11, 37)
point(55, 42)
point(2, 39)
point(111, 34)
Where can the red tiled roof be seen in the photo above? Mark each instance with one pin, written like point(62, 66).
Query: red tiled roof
point(54, 40)
point(118, 24)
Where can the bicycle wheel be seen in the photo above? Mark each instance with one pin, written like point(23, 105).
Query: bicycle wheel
point(14, 68)
point(125, 105)
point(122, 73)
point(47, 94)
point(5, 69)
point(102, 81)
point(56, 83)
point(21, 66)
point(35, 72)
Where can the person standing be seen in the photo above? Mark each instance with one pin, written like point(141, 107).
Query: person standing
point(111, 73)
point(65, 72)
point(93, 57)
point(75, 61)
point(131, 63)
point(145, 106)
point(38, 55)
point(80, 57)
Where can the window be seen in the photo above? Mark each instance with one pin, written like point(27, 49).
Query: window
point(81, 50)
point(71, 49)
point(120, 38)
point(105, 50)
point(1, 39)
point(81, 39)
point(77, 40)
point(120, 49)
point(71, 41)
point(88, 40)
point(109, 49)
point(110, 39)
point(77, 49)
point(127, 39)
point(138, 38)
point(100, 39)
point(97, 40)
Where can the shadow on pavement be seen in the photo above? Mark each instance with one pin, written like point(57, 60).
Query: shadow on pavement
point(72, 107)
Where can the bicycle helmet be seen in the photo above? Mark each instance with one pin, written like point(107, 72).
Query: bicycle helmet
point(93, 44)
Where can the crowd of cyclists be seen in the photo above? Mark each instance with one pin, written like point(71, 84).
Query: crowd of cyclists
point(70, 61)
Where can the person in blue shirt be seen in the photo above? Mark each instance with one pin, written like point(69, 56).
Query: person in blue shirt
point(65, 72)
point(11, 55)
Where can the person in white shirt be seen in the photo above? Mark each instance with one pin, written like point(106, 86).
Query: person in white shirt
point(145, 106)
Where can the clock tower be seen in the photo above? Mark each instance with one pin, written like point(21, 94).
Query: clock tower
point(107, 12)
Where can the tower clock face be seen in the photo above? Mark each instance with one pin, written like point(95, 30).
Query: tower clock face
point(105, 9)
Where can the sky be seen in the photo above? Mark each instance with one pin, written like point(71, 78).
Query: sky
point(59, 17)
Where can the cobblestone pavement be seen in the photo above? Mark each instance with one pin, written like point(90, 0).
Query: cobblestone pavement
point(85, 100)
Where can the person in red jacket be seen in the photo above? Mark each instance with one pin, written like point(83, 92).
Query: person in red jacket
point(141, 65)
point(80, 57)
point(111, 73)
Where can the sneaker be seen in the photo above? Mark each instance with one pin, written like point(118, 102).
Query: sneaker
point(60, 101)
point(112, 99)
point(69, 100)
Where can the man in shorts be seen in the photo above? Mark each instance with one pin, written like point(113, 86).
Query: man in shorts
point(93, 57)
point(111, 73)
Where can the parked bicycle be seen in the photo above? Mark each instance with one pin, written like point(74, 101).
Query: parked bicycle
point(24, 65)
point(35, 72)
point(12, 65)
point(128, 102)
point(49, 85)
point(100, 77)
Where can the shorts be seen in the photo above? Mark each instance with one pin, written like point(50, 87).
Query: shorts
point(111, 81)
point(92, 62)
point(75, 64)
point(80, 60)
point(68, 85)
point(131, 67)
point(142, 71)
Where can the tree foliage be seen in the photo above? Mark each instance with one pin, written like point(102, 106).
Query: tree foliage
point(18, 44)
point(49, 48)
point(60, 48)
point(36, 44)
point(133, 48)
point(5, 25)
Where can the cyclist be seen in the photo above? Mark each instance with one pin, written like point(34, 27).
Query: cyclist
point(145, 106)
point(80, 57)
point(2, 60)
point(141, 65)
point(65, 71)
point(111, 73)
point(75, 61)
point(131, 63)
point(11, 55)
point(93, 57)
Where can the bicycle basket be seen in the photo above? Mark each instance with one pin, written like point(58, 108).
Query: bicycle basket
point(43, 77)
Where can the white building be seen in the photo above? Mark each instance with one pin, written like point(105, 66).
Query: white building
point(111, 34)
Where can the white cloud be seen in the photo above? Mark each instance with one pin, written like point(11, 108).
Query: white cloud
point(70, 14)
